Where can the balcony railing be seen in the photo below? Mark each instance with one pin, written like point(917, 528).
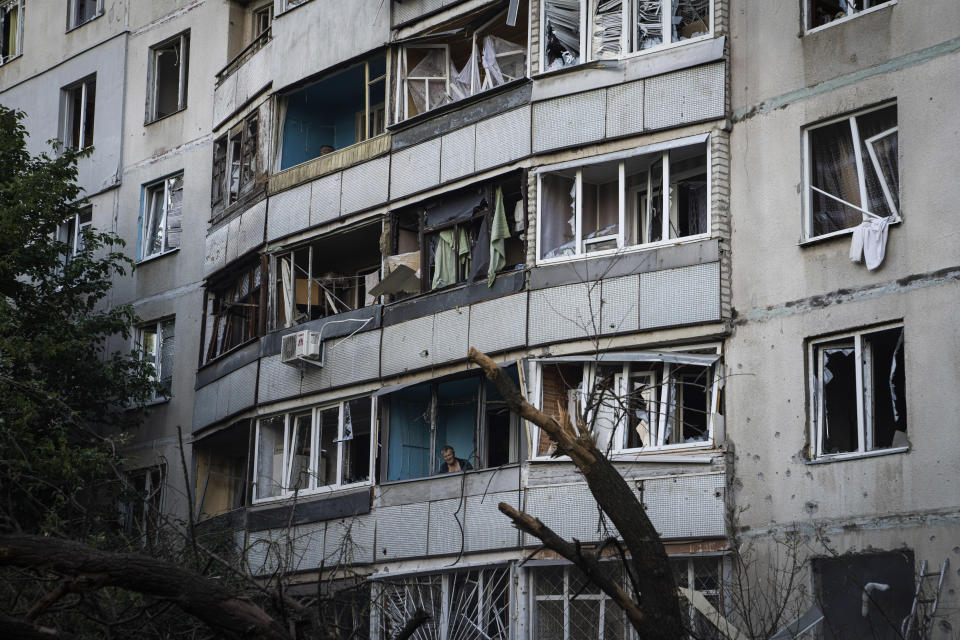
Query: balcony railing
point(244, 55)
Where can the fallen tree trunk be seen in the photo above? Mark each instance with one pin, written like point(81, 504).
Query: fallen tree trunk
point(193, 593)
point(658, 614)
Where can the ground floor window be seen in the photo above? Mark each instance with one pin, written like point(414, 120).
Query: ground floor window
point(473, 604)
point(567, 606)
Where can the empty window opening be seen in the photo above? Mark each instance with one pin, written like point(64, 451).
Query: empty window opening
point(83, 11)
point(232, 312)
point(484, 52)
point(821, 12)
point(168, 77)
point(851, 610)
point(72, 231)
point(11, 30)
point(859, 392)
point(852, 171)
point(155, 346)
point(335, 112)
point(464, 414)
point(160, 222)
point(606, 207)
point(320, 448)
point(582, 30)
point(79, 101)
point(221, 470)
point(327, 276)
point(633, 401)
point(457, 238)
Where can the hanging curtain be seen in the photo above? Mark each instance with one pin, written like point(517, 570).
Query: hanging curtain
point(445, 260)
point(499, 233)
point(281, 124)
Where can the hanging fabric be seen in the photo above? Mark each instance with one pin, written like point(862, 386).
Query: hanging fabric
point(869, 241)
point(499, 232)
point(463, 251)
point(445, 260)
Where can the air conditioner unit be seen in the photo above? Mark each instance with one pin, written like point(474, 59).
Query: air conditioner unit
point(302, 346)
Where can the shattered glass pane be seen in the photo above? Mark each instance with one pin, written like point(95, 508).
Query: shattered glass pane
point(887, 395)
point(691, 18)
point(558, 216)
point(607, 29)
point(269, 457)
point(839, 397)
point(563, 33)
point(649, 27)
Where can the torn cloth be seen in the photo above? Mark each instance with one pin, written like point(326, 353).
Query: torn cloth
point(445, 260)
point(869, 241)
point(499, 232)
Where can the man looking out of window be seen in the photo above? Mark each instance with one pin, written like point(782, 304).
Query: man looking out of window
point(451, 463)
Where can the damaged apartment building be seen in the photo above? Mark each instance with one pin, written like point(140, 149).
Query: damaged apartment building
point(702, 208)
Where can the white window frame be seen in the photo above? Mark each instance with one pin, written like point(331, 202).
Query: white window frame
point(72, 22)
point(69, 116)
point(148, 191)
point(851, 13)
point(289, 419)
point(155, 358)
point(256, 15)
point(626, 32)
point(566, 597)
point(808, 189)
point(406, 78)
point(183, 40)
point(665, 398)
point(78, 222)
point(18, 49)
point(815, 350)
point(622, 246)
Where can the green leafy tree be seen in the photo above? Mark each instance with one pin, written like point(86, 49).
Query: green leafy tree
point(64, 401)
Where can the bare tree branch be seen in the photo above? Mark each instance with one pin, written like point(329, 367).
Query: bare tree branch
point(419, 617)
point(203, 598)
point(19, 629)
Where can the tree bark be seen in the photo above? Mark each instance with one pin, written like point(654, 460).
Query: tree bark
point(419, 617)
point(648, 563)
point(195, 594)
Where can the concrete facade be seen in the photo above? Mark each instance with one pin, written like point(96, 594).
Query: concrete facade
point(706, 320)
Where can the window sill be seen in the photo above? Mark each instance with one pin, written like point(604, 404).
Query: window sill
point(220, 356)
point(857, 455)
point(85, 22)
point(613, 63)
point(148, 121)
point(11, 59)
point(879, 7)
point(626, 250)
point(674, 453)
point(157, 256)
point(843, 233)
point(309, 494)
point(454, 474)
point(157, 401)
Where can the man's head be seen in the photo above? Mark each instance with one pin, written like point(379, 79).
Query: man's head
point(448, 454)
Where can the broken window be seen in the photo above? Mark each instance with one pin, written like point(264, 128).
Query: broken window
point(235, 161)
point(859, 392)
point(167, 84)
point(609, 206)
point(221, 470)
point(466, 414)
point(458, 59)
point(11, 30)
point(629, 401)
point(71, 232)
point(461, 604)
point(568, 605)
point(821, 12)
point(330, 275)
point(459, 237)
point(582, 30)
point(161, 217)
point(155, 345)
point(232, 312)
point(304, 451)
point(864, 595)
point(160, 221)
point(342, 109)
point(262, 19)
point(144, 503)
point(83, 11)
point(852, 171)
point(79, 101)
point(703, 574)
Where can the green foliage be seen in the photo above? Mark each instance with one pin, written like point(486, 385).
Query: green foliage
point(64, 401)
